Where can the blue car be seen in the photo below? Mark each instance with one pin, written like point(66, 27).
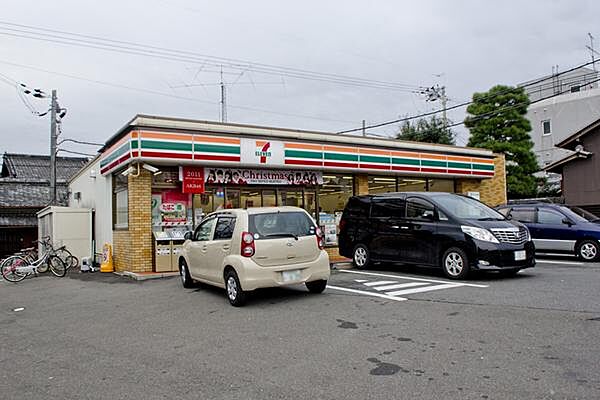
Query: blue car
point(557, 228)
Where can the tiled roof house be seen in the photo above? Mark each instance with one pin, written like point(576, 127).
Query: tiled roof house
point(25, 189)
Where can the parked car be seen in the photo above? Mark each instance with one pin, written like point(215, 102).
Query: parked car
point(243, 250)
point(454, 232)
point(556, 228)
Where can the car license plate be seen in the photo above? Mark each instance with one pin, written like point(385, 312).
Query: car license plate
point(292, 275)
point(520, 255)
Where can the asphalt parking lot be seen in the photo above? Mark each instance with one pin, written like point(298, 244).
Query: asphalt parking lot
point(389, 332)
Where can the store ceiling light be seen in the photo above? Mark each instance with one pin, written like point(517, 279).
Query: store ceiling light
point(154, 170)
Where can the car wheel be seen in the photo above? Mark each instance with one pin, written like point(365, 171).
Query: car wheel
point(455, 263)
point(588, 250)
point(235, 294)
point(361, 257)
point(186, 279)
point(316, 286)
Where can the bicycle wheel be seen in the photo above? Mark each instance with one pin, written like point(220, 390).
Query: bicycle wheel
point(9, 269)
point(43, 267)
point(57, 266)
point(69, 259)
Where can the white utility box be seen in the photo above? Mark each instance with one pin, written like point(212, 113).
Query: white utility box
point(68, 226)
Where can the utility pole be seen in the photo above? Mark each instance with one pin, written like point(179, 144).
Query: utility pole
point(223, 99)
point(364, 131)
point(438, 93)
point(53, 109)
point(444, 100)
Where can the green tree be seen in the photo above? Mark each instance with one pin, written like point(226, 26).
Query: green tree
point(426, 130)
point(496, 121)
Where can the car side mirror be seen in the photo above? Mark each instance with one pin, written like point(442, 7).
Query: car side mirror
point(188, 235)
point(567, 221)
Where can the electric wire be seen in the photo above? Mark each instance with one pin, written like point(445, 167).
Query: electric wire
point(466, 103)
point(69, 38)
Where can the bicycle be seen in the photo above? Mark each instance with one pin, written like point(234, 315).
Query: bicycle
point(65, 255)
point(16, 268)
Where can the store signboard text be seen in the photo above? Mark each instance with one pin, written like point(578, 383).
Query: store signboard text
point(242, 176)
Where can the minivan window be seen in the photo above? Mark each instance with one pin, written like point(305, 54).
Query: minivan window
point(280, 224)
point(548, 217)
point(467, 208)
point(224, 228)
point(357, 207)
point(388, 208)
point(526, 215)
point(419, 209)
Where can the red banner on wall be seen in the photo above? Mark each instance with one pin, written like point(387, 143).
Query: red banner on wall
point(193, 180)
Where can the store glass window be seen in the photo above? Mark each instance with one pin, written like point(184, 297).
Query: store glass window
point(382, 184)
point(268, 198)
point(440, 185)
point(232, 198)
point(120, 202)
point(250, 198)
point(333, 196)
point(290, 197)
point(412, 184)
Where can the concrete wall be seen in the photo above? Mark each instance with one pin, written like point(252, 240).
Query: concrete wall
point(96, 193)
point(567, 113)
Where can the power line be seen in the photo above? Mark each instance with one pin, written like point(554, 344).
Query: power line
point(159, 93)
point(76, 152)
point(80, 142)
point(466, 103)
point(69, 38)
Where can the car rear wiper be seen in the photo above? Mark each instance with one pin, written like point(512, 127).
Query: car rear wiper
point(282, 234)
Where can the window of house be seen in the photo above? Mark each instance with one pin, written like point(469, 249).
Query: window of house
point(546, 128)
point(120, 202)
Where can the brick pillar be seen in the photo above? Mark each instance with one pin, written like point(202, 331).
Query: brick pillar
point(361, 184)
point(491, 191)
point(133, 246)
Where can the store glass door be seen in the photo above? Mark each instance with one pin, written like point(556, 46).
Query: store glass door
point(290, 197)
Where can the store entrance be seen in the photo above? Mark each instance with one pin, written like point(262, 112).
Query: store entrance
point(218, 198)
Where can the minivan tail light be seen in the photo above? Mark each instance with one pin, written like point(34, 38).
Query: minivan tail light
point(319, 235)
point(342, 224)
point(247, 246)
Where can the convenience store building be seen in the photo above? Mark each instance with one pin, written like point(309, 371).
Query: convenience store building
point(156, 177)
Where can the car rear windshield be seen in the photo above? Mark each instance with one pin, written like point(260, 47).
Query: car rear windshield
point(280, 224)
point(467, 208)
point(580, 212)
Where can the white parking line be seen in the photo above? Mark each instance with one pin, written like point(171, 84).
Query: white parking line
point(383, 296)
point(379, 283)
point(411, 278)
point(400, 285)
point(424, 289)
point(542, 261)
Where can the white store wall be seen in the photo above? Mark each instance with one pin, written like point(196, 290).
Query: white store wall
point(95, 192)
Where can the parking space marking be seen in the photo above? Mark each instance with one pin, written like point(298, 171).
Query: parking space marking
point(424, 289)
point(343, 289)
point(347, 271)
point(400, 286)
point(376, 283)
point(566, 262)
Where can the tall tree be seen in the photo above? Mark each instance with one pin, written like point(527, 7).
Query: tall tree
point(496, 121)
point(431, 130)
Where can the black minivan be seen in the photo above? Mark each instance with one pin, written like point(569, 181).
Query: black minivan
point(454, 232)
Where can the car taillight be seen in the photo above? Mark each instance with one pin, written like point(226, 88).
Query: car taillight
point(342, 224)
point(319, 235)
point(247, 249)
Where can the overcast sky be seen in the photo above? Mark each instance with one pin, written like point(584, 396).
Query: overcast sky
point(467, 46)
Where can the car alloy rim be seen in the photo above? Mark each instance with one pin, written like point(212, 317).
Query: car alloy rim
point(588, 251)
point(360, 256)
point(231, 288)
point(454, 264)
point(183, 273)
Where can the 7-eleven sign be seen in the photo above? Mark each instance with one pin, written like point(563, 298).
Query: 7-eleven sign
point(262, 152)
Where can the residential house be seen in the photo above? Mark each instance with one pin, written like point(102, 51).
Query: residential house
point(25, 190)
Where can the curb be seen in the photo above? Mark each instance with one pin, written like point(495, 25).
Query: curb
point(145, 277)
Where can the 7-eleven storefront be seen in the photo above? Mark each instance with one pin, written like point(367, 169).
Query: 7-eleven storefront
point(166, 174)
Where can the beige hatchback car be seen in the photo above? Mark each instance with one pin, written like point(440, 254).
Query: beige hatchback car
point(246, 249)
